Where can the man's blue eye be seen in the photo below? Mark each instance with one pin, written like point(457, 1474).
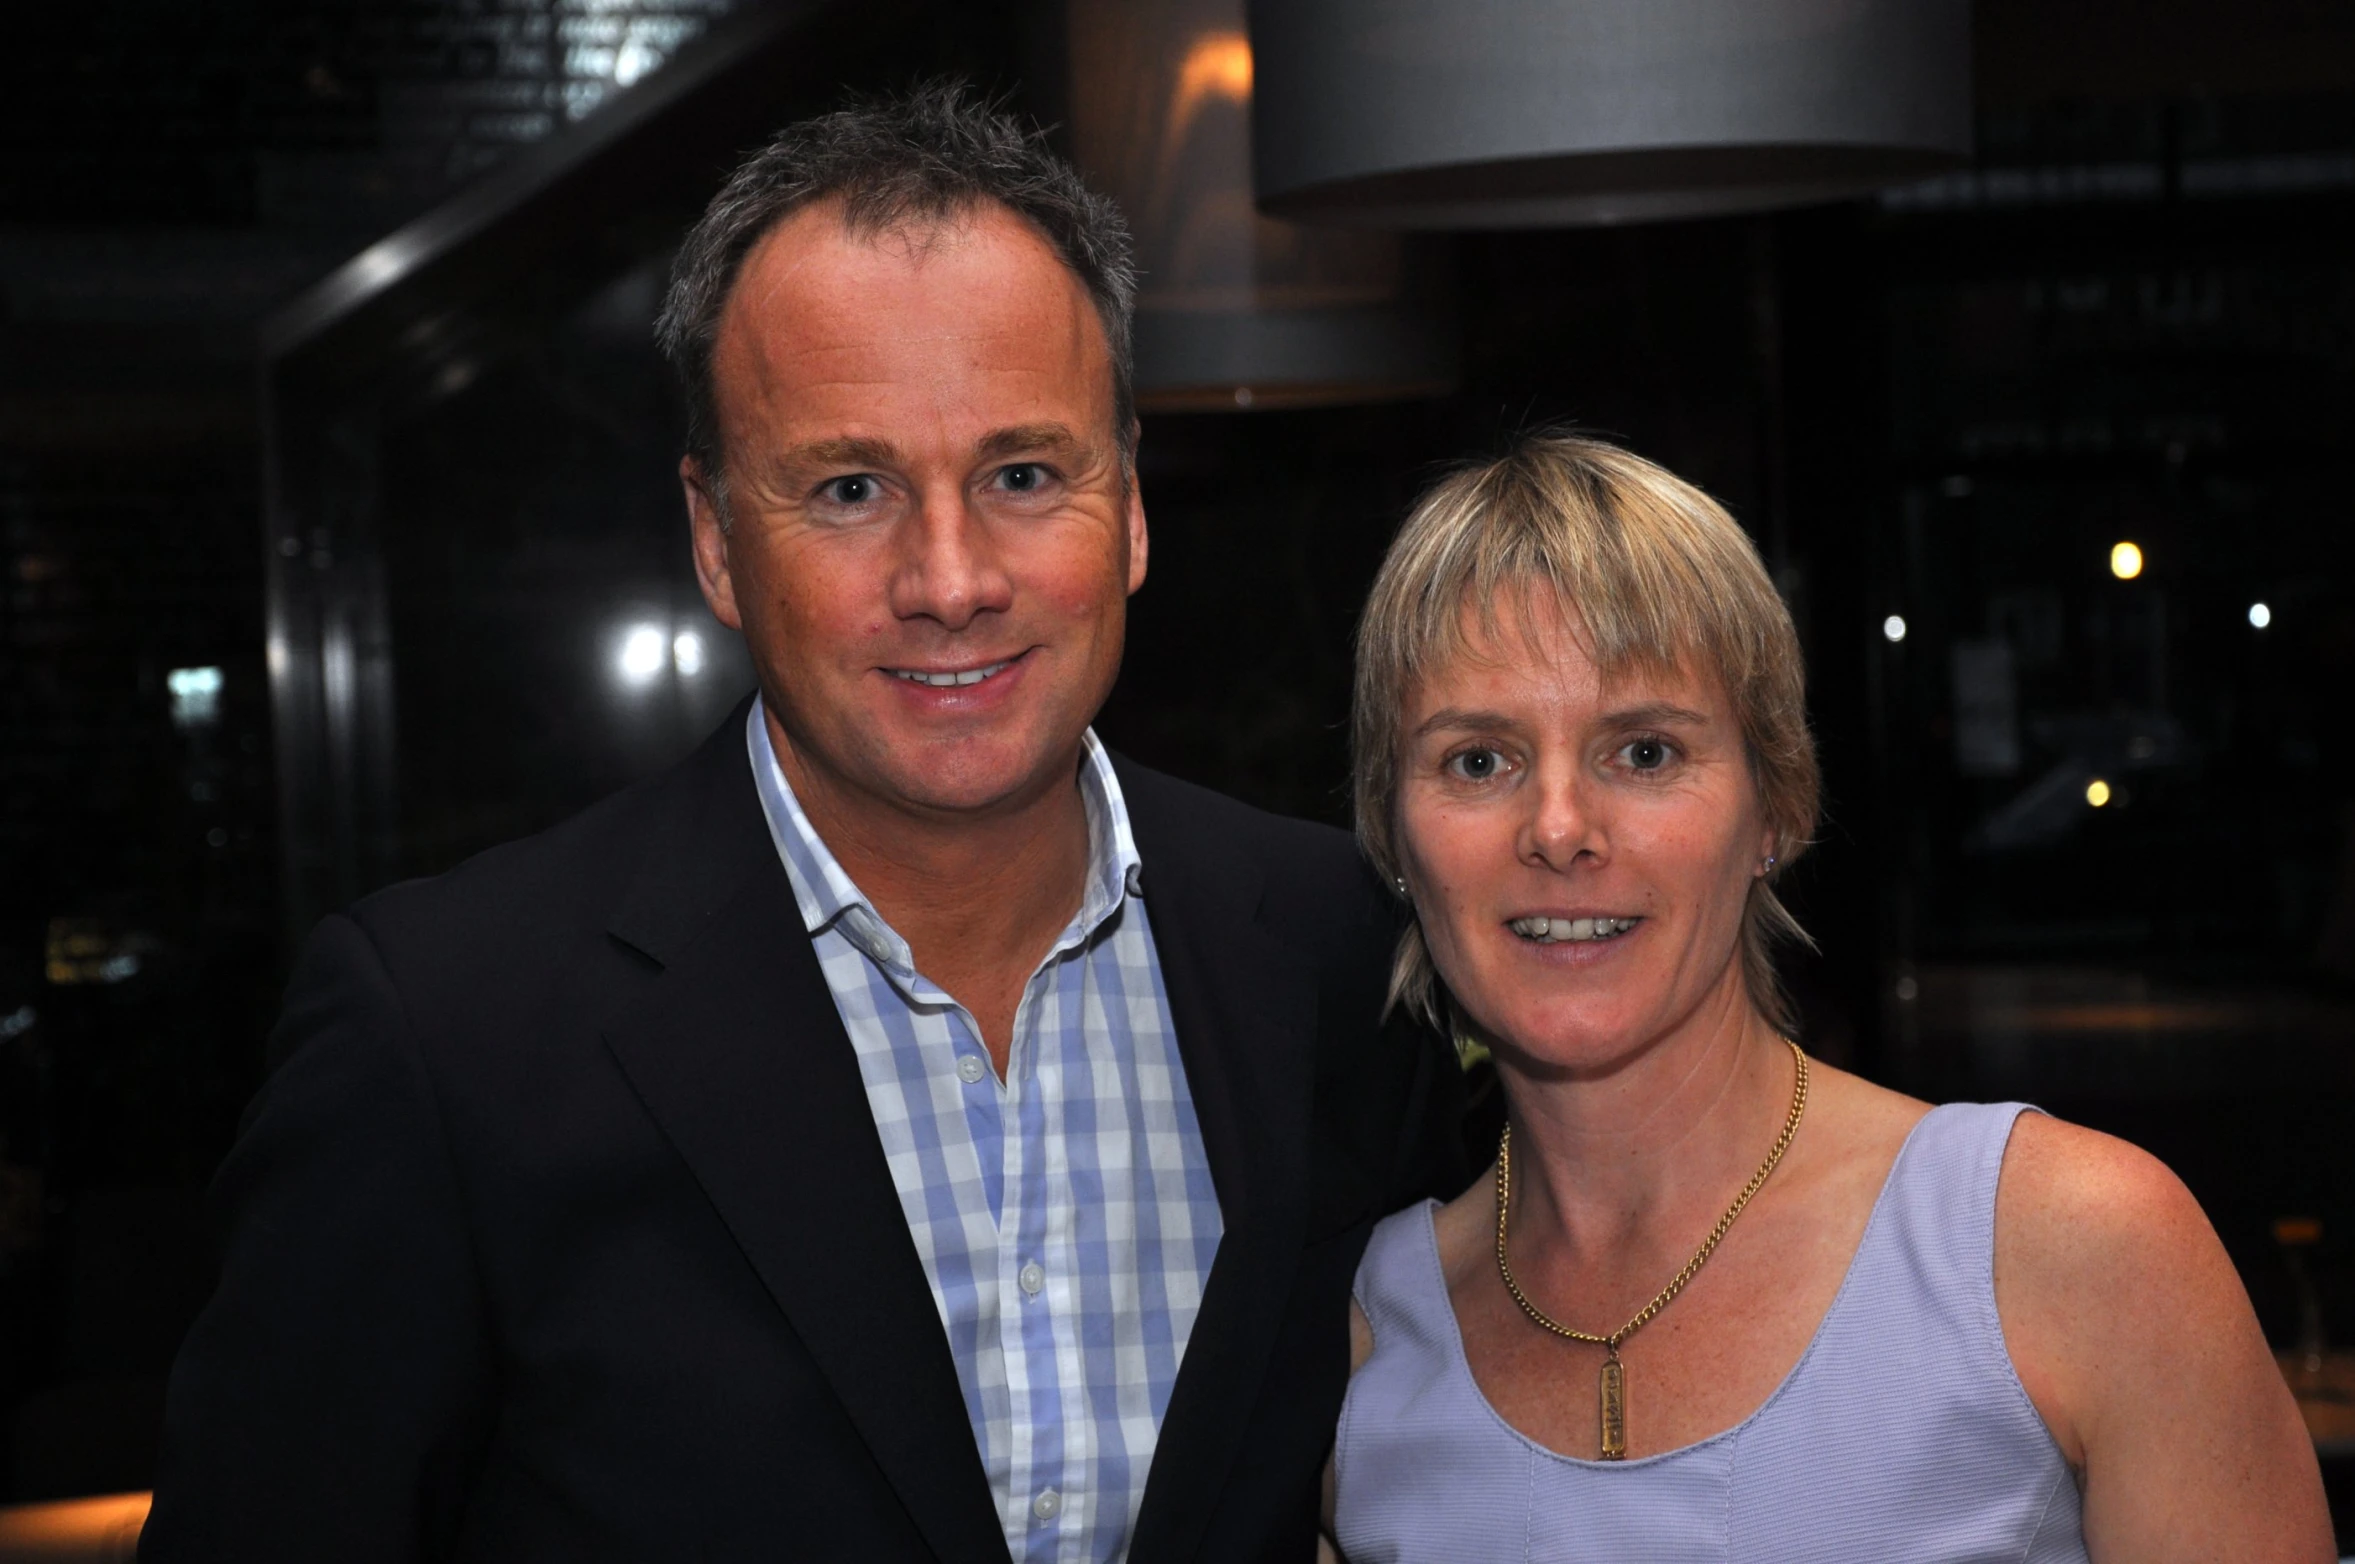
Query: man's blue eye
point(1023, 477)
point(857, 489)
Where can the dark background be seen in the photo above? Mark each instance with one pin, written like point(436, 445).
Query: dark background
point(2133, 319)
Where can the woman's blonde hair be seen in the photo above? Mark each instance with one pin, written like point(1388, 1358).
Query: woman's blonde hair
point(1661, 578)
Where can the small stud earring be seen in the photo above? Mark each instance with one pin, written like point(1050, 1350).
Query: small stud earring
point(1768, 866)
point(1400, 882)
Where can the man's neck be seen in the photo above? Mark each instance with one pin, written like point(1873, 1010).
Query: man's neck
point(979, 900)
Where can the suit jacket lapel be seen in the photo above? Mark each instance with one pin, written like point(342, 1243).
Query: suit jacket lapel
point(741, 1058)
point(1245, 1010)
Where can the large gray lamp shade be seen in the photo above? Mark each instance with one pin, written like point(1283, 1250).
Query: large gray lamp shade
point(1546, 113)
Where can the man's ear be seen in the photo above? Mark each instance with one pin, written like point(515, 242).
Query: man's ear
point(1137, 540)
point(711, 544)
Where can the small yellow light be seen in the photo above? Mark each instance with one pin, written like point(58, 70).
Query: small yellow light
point(2125, 561)
point(2097, 792)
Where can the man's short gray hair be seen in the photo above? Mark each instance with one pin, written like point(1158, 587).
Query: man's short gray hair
point(930, 154)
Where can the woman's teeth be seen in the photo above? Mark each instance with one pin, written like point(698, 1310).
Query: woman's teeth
point(1556, 931)
point(945, 680)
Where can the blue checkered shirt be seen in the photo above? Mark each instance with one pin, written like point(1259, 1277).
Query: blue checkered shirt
point(1064, 1215)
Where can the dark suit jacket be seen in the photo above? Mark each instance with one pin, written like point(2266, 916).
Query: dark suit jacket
point(561, 1230)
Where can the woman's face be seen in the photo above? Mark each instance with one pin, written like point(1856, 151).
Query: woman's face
point(1579, 850)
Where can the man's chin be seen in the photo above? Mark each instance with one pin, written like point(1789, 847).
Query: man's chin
point(974, 779)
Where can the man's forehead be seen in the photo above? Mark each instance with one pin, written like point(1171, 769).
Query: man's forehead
point(829, 236)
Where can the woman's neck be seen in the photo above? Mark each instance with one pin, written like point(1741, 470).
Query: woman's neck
point(1613, 1166)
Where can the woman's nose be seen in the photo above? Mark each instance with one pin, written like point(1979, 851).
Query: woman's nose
point(1562, 827)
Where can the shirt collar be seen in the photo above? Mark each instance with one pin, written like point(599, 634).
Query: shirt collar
point(827, 895)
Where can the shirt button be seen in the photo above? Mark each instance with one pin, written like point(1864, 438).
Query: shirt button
point(1047, 1505)
point(970, 1069)
point(1032, 1277)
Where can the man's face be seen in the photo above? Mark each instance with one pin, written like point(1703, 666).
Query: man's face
point(931, 541)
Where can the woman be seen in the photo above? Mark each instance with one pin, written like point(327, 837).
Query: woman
point(1717, 1301)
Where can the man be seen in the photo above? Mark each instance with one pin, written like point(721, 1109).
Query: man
point(901, 1132)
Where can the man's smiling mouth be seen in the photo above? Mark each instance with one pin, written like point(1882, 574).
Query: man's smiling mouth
point(953, 678)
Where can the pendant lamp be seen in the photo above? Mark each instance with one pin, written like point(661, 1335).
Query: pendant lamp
point(1548, 113)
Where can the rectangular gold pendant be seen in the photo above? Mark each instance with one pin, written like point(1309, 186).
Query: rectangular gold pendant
point(1614, 1409)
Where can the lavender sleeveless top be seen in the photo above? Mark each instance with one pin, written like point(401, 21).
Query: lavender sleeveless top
point(1901, 1437)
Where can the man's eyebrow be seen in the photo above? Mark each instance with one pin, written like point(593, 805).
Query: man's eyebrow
point(847, 452)
point(1014, 441)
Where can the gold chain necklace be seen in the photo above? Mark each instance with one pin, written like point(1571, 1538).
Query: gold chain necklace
point(1614, 1377)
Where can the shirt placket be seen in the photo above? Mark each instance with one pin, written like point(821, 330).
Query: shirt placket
point(954, 1042)
point(1041, 1307)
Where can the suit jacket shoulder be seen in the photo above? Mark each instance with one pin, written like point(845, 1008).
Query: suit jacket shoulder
point(640, 871)
point(1318, 892)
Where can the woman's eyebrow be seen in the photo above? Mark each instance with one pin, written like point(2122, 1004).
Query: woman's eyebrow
point(1661, 714)
point(1460, 717)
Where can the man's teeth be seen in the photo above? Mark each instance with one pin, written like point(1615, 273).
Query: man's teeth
point(1555, 931)
point(942, 681)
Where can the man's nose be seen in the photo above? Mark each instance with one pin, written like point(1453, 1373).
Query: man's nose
point(949, 568)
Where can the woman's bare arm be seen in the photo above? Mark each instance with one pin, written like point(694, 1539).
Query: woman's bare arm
point(2134, 1338)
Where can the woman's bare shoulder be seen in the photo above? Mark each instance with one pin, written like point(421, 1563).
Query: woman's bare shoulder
point(2075, 1206)
point(2103, 1259)
point(2131, 1333)
point(1858, 1118)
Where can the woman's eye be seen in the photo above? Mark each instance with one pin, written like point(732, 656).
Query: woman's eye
point(1476, 765)
point(1647, 754)
point(859, 488)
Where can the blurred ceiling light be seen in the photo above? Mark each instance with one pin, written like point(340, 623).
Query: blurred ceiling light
point(1539, 114)
point(1236, 310)
point(1894, 627)
point(642, 654)
point(1219, 62)
point(2125, 561)
point(2259, 615)
point(633, 60)
point(196, 697)
point(687, 653)
point(2097, 792)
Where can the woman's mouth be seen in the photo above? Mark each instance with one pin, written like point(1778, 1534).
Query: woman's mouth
point(1541, 930)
